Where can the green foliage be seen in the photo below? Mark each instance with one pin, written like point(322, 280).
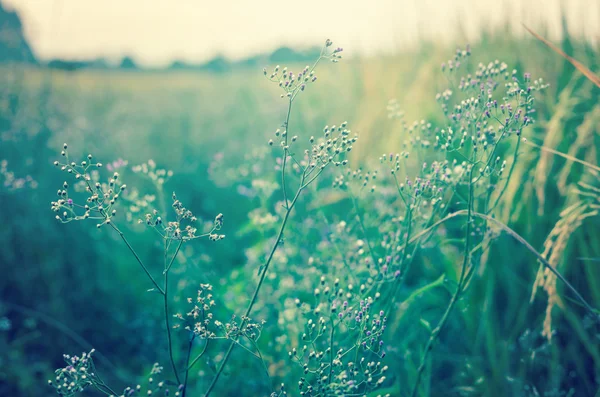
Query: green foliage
point(408, 275)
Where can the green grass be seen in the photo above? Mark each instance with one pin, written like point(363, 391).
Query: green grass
point(85, 281)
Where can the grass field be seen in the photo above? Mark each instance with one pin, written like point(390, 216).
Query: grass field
point(67, 288)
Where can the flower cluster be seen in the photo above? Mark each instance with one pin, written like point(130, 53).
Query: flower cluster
point(292, 83)
point(201, 322)
point(490, 106)
point(184, 225)
point(200, 317)
point(102, 197)
point(342, 342)
point(456, 61)
point(80, 374)
point(331, 148)
point(76, 376)
point(484, 116)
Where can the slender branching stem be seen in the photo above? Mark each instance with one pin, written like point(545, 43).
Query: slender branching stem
point(173, 258)
point(100, 385)
point(187, 362)
point(333, 241)
point(288, 210)
point(138, 259)
point(285, 152)
point(106, 390)
point(364, 229)
point(512, 168)
point(199, 356)
point(260, 357)
point(403, 266)
point(258, 286)
point(166, 304)
point(332, 351)
point(459, 289)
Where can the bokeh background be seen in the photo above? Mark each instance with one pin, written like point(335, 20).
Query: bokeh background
point(181, 83)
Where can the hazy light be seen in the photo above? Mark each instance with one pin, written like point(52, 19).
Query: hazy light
point(158, 31)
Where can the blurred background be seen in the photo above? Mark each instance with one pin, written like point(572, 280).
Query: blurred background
point(180, 82)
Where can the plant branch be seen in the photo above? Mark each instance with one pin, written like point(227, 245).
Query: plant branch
point(258, 287)
point(512, 168)
point(438, 329)
point(187, 361)
point(166, 306)
point(138, 259)
point(285, 150)
point(332, 352)
point(199, 356)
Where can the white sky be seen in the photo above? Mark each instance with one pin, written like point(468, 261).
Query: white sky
point(156, 32)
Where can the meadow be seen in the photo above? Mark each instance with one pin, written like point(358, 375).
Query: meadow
point(418, 263)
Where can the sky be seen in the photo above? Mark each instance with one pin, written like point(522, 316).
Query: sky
point(156, 32)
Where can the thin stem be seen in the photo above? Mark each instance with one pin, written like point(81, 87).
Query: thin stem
point(173, 258)
point(166, 306)
point(101, 383)
point(237, 343)
point(258, 287)
point(313, 178)
point(512, 168)
point(403, 267)
point(262, 360)
point(199, 356)
point(187, 368)
point(284, 161)
point(331, 347)
point(491, 156)
point(138, 259)
point(364, 230)
point(438, 329)
point(337, 248)
point(303, 184)
point(105, 389)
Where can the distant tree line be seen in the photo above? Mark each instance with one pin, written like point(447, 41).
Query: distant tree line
point(14, 47)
